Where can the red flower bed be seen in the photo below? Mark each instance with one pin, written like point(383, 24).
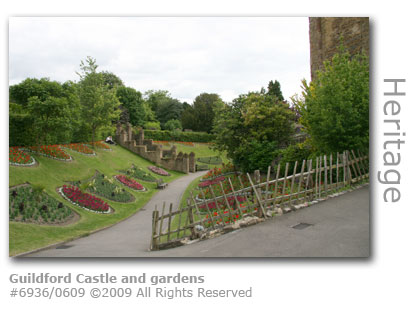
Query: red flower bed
point(19, 157)
point(53, 151)
point(158, 171)
point(211, 182)
point(213, 173)
point(84, 200)
point(221, 203)
point(79, 147)
point(131, 183)
point(99, 144)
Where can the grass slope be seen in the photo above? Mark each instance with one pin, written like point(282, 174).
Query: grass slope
point(52, 174)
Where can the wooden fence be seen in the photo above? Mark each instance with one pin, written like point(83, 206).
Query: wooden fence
point(243, 197)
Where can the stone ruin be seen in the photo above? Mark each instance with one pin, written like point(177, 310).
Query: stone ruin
point(168, 159)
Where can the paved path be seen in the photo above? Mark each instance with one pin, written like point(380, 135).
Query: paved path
point(130, 237)
point(340, 228)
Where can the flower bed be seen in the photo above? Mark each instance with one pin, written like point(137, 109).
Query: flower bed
point(84, 200)
point(207, 183)
point(221, 203)
point(224, 170)
point(158, 171)
point(18, 157)
point(36, 206)
point(100, 145)
point(80, 148)
point(139, 173)
point(51, 151)
point(103, 186)
point(130, 183)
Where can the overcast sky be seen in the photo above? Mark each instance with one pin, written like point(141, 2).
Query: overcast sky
point(184, 55)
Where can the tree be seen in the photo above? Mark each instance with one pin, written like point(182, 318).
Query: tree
point(188, 118)
point(274, 89)
point(335, 106)
point(251, 127)
point(46, 112)
point(111, 80)
point(199, 117)
point(155, 98)
point(133, 102)
point(99, 104)
point(168, 109)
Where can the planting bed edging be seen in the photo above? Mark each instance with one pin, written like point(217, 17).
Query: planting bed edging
point(143, 190)
point(84, 154)
point(110, 210)
point(33, 163)
point(47, 156)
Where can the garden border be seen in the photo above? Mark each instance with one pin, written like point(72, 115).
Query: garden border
point(101, 212)
point(144, 188)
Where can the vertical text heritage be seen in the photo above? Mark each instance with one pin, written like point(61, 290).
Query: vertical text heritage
point(390, 176)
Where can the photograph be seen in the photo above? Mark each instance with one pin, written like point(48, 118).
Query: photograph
point(189, 137)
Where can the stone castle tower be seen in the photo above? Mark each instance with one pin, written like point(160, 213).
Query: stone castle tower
point(325, 34)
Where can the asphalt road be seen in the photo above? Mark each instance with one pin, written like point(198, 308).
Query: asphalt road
point(338, 227)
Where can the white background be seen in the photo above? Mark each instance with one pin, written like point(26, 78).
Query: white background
point(374, 288)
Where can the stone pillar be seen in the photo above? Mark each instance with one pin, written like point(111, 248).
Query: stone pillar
point(192, 162)
point(118, 131)
point(185, 163)
point(129, 131)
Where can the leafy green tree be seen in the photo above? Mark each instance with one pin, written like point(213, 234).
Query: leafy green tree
point(111, 80)
point(31, 87)
point(335, 107)
point(132, 100)
point(21, 130)
point(50, 119)
point(47, 111)
point(188, 118)
point(274, 89)
point(250, 124)
point(155, 98)
point(199, 117)
point(99, 104)
point(168, 109)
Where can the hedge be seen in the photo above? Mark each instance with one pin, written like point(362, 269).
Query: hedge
point(165, 135)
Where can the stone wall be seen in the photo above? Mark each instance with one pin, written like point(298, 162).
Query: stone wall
point(325, 34)
point(168, 159)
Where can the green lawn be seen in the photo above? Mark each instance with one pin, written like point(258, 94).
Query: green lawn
point(200, 150)
point(52, 174)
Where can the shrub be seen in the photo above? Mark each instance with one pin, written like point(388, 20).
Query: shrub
point(296, 152)
point(152, 125)
point(172, 125)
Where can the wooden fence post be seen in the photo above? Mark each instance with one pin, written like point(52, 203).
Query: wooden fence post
point(260, 203)
point(301, 181)
point(292, 183)
point(154, 242)
point(191, 219)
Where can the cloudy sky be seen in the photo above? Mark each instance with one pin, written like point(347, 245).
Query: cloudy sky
point(184, 55)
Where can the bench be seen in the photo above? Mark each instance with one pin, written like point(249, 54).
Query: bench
point(160, 184)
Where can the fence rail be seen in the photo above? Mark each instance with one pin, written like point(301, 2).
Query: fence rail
point(245, 199)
